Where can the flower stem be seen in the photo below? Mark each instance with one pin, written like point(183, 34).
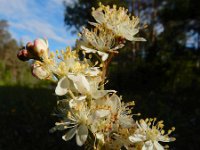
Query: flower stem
point(105, 67)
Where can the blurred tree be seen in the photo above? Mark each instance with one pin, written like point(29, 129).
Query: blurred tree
point(187, 15)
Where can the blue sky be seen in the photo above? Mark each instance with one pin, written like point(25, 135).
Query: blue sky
point(31, 19)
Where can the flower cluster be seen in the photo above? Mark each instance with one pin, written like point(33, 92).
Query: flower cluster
point(97, 117)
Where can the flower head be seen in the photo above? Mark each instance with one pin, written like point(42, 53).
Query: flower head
point(149, 134)
point(89, 110)
point(97, 41)
point(76, 121)
point(118, 21)
point(100, 40)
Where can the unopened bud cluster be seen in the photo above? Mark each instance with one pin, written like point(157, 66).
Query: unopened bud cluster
point(36, 50)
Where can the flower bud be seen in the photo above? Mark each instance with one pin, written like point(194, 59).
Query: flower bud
point(37, 50)
point(24, 55)
point(40, 71)
point(40, 48)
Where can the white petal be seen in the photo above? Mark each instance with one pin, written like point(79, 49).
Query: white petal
point(62, 86)
point(102, 113)
point(117, 47)
point(137, 138)
point(69, 135)
point(103, 55)
point(80, 98)
point(157, 146)
point(80, 82)
point(81, 135)
point(98, 16)
point(126, 121)
point(88, 50)
point(115, 102)
point(128, 37)
point(139, 39)
point(100, 136)
point(93, 23)
point(148, 146)
point(129, 34)
point(100, 93)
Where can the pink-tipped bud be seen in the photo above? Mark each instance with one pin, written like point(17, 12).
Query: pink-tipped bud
point(37, 50)
point(39, 71)
point(40, 48)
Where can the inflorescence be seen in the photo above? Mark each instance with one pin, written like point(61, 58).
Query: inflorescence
point(98, 118)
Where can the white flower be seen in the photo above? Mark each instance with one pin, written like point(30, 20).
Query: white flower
point(151, 134)
point(92, 42)
point(108, 105)
point(118, 21)
point(117, 122)
point(99, 40)
point(75, 83)
point(80, 84)
point(81, 132)
point(120, 112)
point(76, 120)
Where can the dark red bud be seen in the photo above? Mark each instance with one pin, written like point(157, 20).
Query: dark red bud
point(23, 55)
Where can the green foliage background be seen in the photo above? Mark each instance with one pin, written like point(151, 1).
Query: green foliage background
point(161, 75)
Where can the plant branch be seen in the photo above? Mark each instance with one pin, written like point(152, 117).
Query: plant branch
point(106, 65)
